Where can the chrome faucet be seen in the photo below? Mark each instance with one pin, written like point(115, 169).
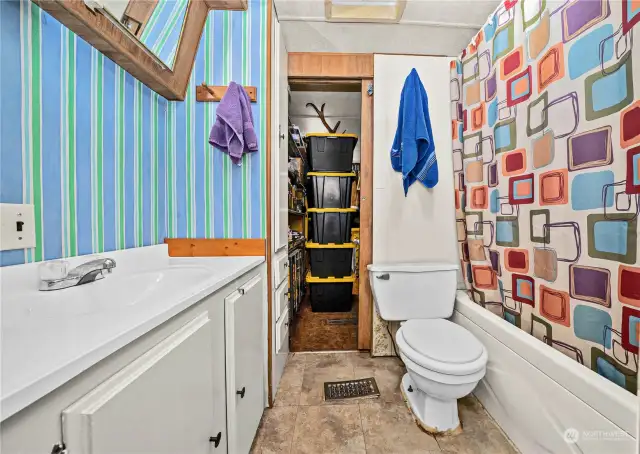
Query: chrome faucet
point(82, 274)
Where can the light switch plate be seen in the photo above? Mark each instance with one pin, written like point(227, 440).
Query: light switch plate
point(13, 217)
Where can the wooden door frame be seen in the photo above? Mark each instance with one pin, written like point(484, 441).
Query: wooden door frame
point(336, 68)
point(269, 206)
point(365, 299)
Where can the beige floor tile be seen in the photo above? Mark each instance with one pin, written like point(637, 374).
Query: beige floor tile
point(477, 442)
point(364, 359)
point(480, 433)
point(321, 368)
point(473, 415)
point(312, 392)
point(390, 429)
point(290, 386)
point(328, 360)
point(388, 373)
point(276, 431)
point(328, 429)
point(297, 359)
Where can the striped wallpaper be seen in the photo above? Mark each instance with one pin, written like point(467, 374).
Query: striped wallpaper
point(161, 33)
point(107, 162)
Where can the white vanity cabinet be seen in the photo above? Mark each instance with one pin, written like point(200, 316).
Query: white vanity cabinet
point(195, 384)
point(160, 403)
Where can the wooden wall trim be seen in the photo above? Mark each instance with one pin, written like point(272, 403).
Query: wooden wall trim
point(321, 65)
point(215, 247)
point(129, 53)
point(365, 308)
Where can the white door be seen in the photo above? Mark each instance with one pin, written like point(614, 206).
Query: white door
point(161, 403)
point(281, 148)
point(280, 211)
point(424, 214)
point(244, 360)
point(423, 227)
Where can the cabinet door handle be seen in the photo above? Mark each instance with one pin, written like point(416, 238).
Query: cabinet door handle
point(59, 448)
point(241, 290)
point(216, 440)
point(241, 392)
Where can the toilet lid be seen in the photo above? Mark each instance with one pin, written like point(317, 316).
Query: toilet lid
point(442, 341)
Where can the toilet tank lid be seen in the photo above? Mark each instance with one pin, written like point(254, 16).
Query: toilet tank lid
point(419, 267)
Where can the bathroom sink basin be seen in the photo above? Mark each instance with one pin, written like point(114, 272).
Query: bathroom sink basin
point(116, 292)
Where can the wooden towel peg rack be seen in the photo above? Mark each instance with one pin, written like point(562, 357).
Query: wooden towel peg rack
point(214, 93)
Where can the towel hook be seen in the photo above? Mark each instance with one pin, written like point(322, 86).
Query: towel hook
point(206, 87)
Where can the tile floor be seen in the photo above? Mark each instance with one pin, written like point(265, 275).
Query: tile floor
point(301, 422)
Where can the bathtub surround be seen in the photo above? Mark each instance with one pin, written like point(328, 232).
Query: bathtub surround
point(108, 163)
point(546, 154)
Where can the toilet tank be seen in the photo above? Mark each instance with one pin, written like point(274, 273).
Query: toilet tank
point(405, 291)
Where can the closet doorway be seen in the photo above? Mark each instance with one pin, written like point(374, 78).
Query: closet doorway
point(331, 95)
point(322, 113)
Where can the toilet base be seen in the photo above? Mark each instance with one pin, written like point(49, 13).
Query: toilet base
point(432, 415)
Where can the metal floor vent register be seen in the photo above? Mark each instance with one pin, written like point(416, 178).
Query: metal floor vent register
point(342, 321)
point(350, 389)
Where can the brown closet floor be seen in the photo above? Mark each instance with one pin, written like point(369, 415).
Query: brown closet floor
point(312, 331)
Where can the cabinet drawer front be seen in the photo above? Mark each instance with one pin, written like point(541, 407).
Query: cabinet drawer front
point(134, 411)
point(281, 268)
point(282, 332)
point(281, 300)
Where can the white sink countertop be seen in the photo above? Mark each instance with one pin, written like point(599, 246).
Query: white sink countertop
point(50, 337)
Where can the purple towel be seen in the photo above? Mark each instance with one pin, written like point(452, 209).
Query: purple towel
point(233, 131)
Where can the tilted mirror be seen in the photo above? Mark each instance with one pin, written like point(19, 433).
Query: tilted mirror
point(153, 40)
point(156, 24)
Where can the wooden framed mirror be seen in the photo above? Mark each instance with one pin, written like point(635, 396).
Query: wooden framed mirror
point(154, 40)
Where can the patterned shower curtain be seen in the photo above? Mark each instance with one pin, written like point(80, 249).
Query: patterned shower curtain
point(546, 149)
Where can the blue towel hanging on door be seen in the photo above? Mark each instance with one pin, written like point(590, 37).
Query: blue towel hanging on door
point(413, 152)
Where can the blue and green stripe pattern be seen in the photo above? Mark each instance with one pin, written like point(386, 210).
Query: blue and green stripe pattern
point(162, 31)
point(107, 162)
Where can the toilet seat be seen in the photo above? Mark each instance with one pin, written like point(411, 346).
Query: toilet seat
point(441, 346)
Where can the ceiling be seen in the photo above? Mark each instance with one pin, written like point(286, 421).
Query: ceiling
point(435, 27)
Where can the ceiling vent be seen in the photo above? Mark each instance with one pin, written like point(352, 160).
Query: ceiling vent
point(364, 10)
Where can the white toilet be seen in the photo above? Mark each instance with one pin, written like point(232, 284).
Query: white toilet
point(444, 361)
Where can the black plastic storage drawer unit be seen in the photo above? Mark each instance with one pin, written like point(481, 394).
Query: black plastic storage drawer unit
point(331, 152)
point(331, 294)
point(331, 225)
point(331, 260)
point(330, 190)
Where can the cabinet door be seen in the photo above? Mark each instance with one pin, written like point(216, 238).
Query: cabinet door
point(218, 361)
point(244, 359)
point(160, 403)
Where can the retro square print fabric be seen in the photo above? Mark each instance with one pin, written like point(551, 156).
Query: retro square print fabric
point(546, 121)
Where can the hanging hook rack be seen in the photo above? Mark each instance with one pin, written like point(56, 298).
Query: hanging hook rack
point(214, 93)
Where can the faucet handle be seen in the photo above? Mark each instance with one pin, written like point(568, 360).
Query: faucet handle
point(53, 270)
point(109, 264)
